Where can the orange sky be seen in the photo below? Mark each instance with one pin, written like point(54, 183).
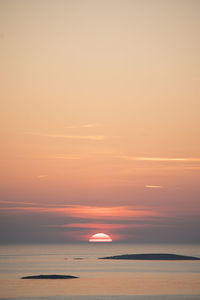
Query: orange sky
point(100, 118)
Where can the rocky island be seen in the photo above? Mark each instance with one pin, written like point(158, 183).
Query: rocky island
point(49, 277)
point(152, 256)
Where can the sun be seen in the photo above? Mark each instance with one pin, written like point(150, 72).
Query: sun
point(100, 237)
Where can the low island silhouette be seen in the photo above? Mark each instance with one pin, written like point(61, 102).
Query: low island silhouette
point(50, 277)
point(152, 256)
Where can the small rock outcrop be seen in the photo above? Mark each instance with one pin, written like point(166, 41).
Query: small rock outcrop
point(152, 256)
point(49, 277)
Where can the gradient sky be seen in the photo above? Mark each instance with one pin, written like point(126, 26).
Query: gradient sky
point(100, 120)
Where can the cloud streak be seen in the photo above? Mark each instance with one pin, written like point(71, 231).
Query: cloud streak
point(89, 212)
point(82, 126)
point(159, 159)
point(72, 137)
point(65, 157)
point(102, 226)
point(42, 176)
point(153, 186)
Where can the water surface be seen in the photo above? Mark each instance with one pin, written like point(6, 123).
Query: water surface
point(98, 278)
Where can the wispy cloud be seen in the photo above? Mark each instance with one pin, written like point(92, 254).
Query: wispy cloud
point(160, 159)
point(153, 186)
point(65, 157)
point(66, 136)
point(92, 125)
point(42, 176)
point(102, 226)
point(90, 212)
point(101, 212)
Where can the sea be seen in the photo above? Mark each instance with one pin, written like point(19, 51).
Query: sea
point(98, 279)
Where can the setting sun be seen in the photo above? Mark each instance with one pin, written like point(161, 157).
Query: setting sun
point(100, 237)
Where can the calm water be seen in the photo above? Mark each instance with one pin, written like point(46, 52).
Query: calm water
point(139, 280)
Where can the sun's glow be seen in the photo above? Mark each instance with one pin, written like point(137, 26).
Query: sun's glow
point(100, 237)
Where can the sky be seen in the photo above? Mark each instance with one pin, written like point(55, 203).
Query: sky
point(100, 120)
